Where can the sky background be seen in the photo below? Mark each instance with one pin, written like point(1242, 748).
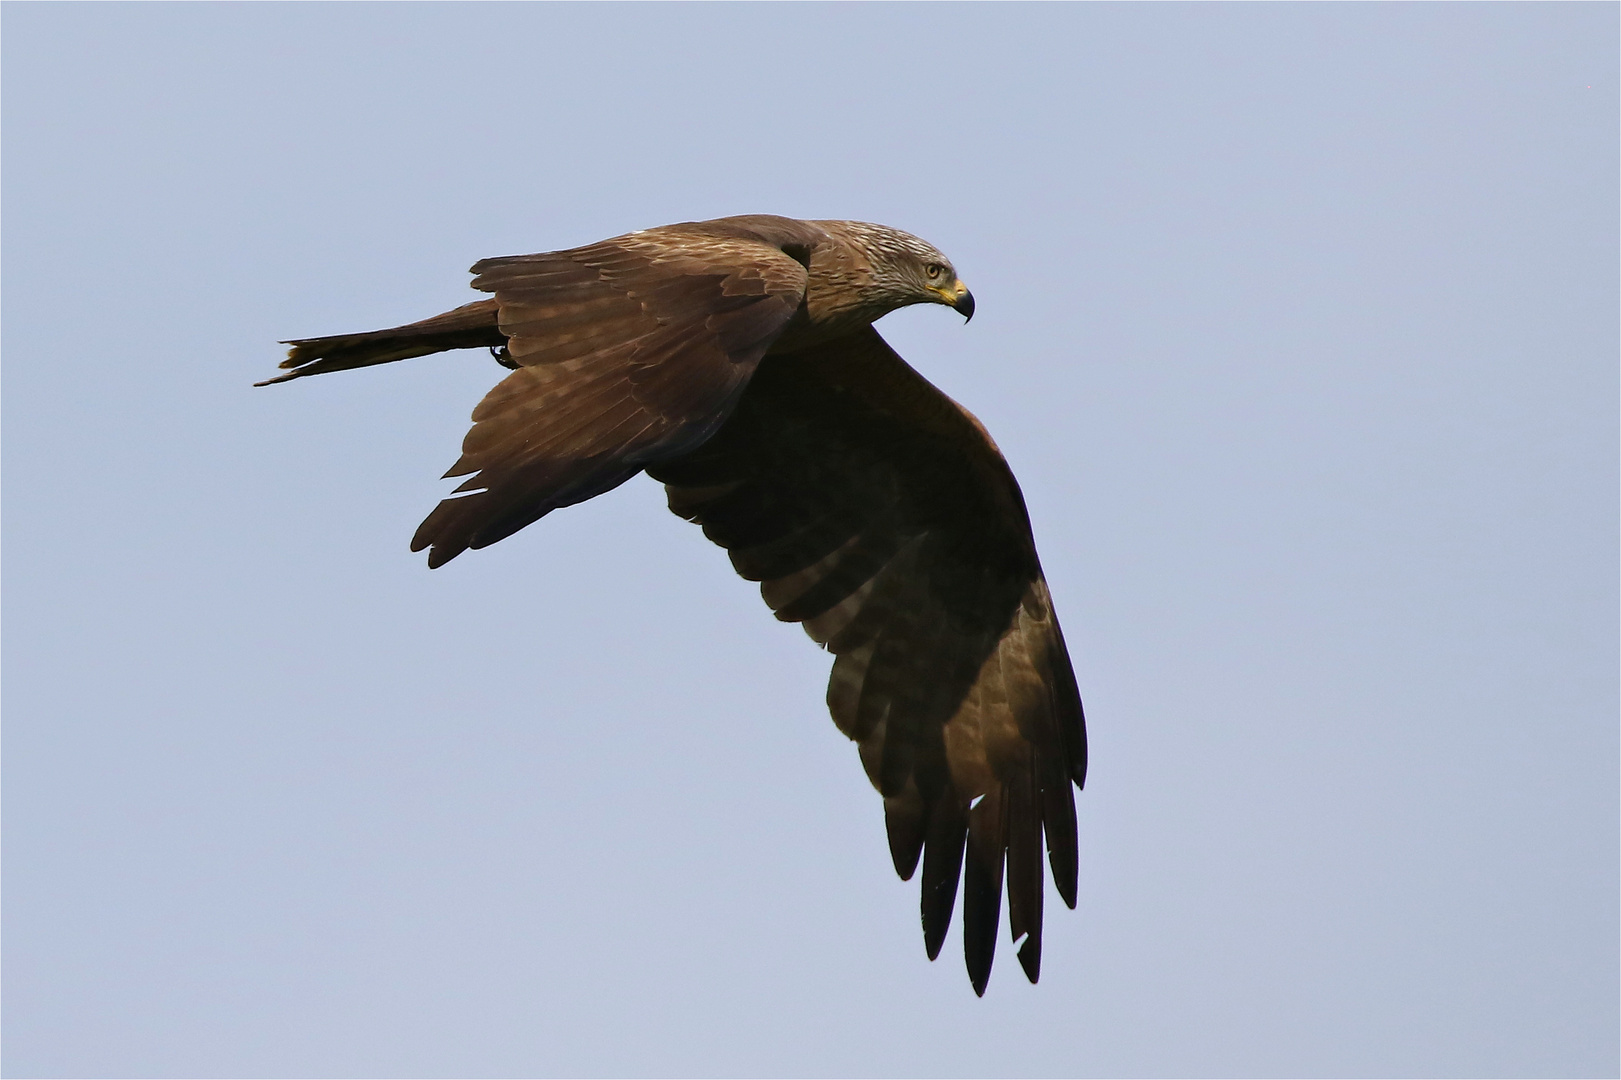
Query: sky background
point(1297, 323)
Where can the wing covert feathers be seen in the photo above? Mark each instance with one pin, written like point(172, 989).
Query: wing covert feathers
point(877, 513)
point(627, 351)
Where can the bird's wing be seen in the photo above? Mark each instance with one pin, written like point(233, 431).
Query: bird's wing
point(628, 350)
point(877, 512)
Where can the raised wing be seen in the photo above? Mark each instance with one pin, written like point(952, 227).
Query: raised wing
point(627, 351)
point(878, 513)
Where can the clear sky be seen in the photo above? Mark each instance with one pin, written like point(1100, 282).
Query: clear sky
point(1297, 323)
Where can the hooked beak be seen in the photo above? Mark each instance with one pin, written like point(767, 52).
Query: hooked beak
point(962, 300)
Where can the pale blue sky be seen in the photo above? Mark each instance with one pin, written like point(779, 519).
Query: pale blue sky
point(1297, 323)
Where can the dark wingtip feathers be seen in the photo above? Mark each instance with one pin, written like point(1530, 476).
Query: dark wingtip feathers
point(905, 824)
point(942, 867)
point(982, 885)
point(1030, 958)
point(439, 552)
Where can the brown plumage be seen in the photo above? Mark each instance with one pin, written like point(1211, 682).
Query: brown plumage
point(735, 362)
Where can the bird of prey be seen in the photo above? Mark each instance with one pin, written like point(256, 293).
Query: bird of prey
point(735, 362)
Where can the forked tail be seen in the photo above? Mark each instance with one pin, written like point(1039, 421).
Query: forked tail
point(471, 326)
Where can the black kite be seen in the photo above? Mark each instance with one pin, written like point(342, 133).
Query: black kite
point(735, 362)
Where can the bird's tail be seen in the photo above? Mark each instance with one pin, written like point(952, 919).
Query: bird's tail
point(470, 326)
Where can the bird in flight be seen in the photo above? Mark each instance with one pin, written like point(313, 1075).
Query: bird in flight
point(735, 362)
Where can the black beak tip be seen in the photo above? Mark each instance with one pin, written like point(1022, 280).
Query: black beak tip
point(965, 306)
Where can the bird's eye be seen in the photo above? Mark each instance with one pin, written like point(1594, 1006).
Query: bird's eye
point(935, 270)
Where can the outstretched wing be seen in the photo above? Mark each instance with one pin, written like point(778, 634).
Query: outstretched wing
point(628, 351)
point(877, 512)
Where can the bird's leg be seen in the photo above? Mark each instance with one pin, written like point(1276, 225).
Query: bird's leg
point(503, 357)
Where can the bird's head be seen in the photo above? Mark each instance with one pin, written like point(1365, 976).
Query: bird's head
point(908, 271)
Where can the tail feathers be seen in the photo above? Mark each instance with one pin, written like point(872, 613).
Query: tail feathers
point(470, 326)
